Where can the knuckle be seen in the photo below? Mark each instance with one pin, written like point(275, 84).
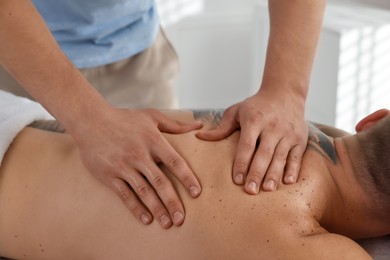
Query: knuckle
point(293, 166)
point(137, 155)
point(248, 144)
point(160, 181)
point(187, 180)
point(292, 170)
point(273, 123)
point(255, 175)
point(297, 136)
point(172, 204)
point(155, 137)
point(240, 166)
point(136, 209)
point(292, 127)
point(303, 140)
point(253, 118)
point(281, 155)
point(265, 151)
point(158, 211)
point(294, 159)
point(120, 171)
point(273, 175)
point(124, 194)
point(174, 161)
point(143, 191)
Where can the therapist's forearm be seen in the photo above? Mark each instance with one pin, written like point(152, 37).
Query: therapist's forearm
point(29, 52)
point(295, 26)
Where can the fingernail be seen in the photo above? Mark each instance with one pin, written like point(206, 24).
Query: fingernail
point(270, 185)
point(290, 179)
point(252, 187)
point(165, 220)
point(145, 218)
point(178, 217)
point(239, 178)
point(194, 191)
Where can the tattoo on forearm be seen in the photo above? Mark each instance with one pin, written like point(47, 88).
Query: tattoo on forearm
point(212, 116)
point(319, 142)
point(48, 125)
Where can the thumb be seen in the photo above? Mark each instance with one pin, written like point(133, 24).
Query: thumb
point(226, 127)
point(168, 125)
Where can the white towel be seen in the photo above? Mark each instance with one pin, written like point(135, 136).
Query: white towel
point(15, 114)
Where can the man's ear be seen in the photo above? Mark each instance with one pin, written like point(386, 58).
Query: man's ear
point(371, 120)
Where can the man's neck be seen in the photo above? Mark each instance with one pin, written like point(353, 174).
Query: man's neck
point(353, 212)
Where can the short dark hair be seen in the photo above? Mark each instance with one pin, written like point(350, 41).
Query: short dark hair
point(373, 168)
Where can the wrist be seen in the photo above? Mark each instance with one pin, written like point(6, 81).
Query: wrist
point(76, 105)
point(286, 88)
point(284, 95)
point(86, 115)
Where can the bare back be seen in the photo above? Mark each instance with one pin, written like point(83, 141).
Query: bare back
point(52, 208)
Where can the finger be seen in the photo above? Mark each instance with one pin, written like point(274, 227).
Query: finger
point(131, 201)
point(276, 169)
point(178, 167)
point(226, 126)
point(260, 163)
point(293, 164)
point(168, 125)
point(166, 192)
point(244, 153)
point(148, 196)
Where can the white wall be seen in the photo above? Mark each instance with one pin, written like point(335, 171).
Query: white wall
point(214, 44)
point(221, 45)
point(374, 3)
point(350, 77)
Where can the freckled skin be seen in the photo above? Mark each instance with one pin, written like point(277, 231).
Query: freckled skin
point(88, 221)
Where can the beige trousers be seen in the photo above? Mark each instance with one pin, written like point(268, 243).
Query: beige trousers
point(144, 80)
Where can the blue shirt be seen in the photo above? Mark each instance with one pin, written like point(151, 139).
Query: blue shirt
point(98, 32)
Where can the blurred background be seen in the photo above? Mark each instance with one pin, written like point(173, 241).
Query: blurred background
point(221, 45)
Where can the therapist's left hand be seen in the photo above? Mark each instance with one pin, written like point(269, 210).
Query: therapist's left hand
point(272, 141)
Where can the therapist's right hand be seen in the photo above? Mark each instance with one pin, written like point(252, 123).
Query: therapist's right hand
point(123, 150)
point(120, 147)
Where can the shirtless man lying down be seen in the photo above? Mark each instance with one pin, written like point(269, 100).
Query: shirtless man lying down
point(52, 208)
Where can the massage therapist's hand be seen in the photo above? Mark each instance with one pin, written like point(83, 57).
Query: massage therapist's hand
point(124, 149)
point(272, 141)
point(273, 132)
point(120, 147)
